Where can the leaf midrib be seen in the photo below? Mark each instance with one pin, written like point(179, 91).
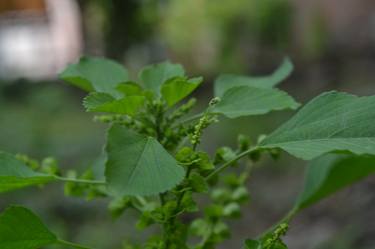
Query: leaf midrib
point(317, 139)
point(132, 173)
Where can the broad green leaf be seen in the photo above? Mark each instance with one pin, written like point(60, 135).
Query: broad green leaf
point(154, 76)
point(102, 102)
point(95, 74)
point(14, 174)
point(139, 165)
point(333, 121)
point(330, 173)
point(177, 88)
point(245, 100)
point(227, 81)
point(21, 229)
point(129, 88)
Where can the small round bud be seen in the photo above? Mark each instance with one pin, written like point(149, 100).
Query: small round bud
point(214, 101)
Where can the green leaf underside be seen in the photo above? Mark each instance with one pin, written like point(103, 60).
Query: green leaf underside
point(96, 74)
point(227, 81)
point(333, 121)
point(14, 174)
point(21, 229)
point(139, 165)
point(102, 102)
point(175, 89)
point(330, 173)
point(154, 76)
point(245, 100)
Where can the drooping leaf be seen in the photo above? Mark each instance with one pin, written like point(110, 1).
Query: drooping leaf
point(21, 229)
point(95, 74)
point(154, 76)
point(227, 81)
point(175, 89)
point(102, 102)
point(333, 121)
point(14, 174)
point(245, 100)
point(139, 165)
point(330, 173)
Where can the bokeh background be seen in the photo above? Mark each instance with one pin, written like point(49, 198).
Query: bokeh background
point(331, 42)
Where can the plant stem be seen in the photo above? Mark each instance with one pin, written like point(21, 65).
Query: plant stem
point(83, 181)
point(285, 219)
point(227, 164)
point(162, 199)
point(72, 245)
point(192, 118)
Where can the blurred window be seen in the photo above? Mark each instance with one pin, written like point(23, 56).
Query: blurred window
point(38, 37)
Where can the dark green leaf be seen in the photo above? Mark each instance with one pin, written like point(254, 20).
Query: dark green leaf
point(154, 76)
point(175, 89)
point(333, 121)
point(198, 183)
point(330, 173)
point(102, 102)
point(227, 81)
point(14, 174)
point(188, 203)
point(139, 165)
point(245, 100)
point(95, 74)
point(252, 244)
point(21, 229)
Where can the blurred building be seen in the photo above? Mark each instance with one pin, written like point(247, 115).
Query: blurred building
point(38, 38)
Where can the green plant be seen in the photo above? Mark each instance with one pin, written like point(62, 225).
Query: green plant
point(152, 161)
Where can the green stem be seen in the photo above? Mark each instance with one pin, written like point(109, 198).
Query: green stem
point(83, 181)
point(227, 164)
point(191, 119)
point(162, 199)
point(141, 200)
point(72, 245)
point(285, 219)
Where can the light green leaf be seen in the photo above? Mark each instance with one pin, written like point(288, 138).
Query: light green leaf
point(14, 174)
point(102, 102)
point(95, 74)
point(227, 81)
point(330, 173)
point(245, 100)
point(333, 121)
point(21, 229)
point(154, 76)
point(139, 165)
point(177, 88)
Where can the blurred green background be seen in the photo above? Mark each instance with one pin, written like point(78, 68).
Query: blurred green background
point(331, 42)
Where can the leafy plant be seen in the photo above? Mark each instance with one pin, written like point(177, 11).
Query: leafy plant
point(152, 161)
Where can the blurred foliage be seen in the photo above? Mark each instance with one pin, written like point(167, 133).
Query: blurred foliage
point(219, 32)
